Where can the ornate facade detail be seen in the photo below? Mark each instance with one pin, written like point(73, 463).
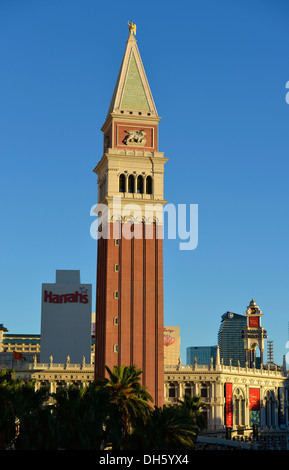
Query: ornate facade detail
point(135, 138)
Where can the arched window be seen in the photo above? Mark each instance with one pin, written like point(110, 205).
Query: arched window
point(149, 185)
point(140, 184)
point(130, 187)
point(270, 408)
point(239, 407)
point(122, 183)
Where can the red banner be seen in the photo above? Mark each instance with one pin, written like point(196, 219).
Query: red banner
point(229, 404)
point(254, 399)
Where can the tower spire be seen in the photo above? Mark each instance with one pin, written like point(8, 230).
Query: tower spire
point(132, 92)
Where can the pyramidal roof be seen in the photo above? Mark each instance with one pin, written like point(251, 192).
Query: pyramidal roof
point(132, 91)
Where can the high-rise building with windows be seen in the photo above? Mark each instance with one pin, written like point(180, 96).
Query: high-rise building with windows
point(203, 355)
point(230, 339)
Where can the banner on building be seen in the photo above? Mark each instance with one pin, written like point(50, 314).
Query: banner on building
point(254, 406)
point(229, 404)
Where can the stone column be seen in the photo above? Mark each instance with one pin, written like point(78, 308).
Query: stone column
point(181, 390)
point(261, 356)
point(247, 411)
point(218, 407)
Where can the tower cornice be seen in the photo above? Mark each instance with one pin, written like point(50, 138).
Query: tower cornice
point(114, 155)
point(127, 116)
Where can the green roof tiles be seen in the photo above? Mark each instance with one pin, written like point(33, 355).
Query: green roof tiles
point(134, 96)
point(132, 92)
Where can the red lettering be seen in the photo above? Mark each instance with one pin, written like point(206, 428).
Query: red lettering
point(64, 298)
point(47, 296)
point(84, 299)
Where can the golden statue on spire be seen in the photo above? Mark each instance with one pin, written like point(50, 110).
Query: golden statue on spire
point(132, 28)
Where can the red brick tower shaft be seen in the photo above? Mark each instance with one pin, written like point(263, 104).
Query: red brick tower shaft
point(129, 297)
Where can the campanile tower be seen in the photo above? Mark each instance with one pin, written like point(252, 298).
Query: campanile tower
point(129, 298)
point(254, 334)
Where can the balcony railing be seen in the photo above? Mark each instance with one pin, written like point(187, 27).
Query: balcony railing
point(223, 368)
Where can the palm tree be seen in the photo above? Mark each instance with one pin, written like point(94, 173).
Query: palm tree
point(8, 416)
point(128, 403)
point(80, 414)
point(194, 406)
point(25, 420)
point(37, 426)
point(169, 428)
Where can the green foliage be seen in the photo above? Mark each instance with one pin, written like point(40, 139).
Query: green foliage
point(194, 407)
point(114, 413)
point(8, 416)
point(168, 429)
point(80, 414)
point(25, 418)
point(128, 403)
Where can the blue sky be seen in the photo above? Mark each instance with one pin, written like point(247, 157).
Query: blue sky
point(217, 71)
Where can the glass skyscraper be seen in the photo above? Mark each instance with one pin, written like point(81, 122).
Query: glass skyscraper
point(230, 339)
point(203, 354)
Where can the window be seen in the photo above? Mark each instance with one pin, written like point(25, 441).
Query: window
point(188, 389)
point(140, 184)
point(116, 241)
point(115, 294)
point(204, 391)
point(130, 187)
point(239, 407)
point(115, 348)
point(116, 268)
point(115, 321)
point(149, 185)
point(172, 390)
point(122, 183)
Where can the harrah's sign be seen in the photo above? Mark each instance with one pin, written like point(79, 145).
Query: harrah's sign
point(65, 298)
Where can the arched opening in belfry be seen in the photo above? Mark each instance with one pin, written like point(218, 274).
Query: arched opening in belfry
point(255, 356)
point(122, 183)
point(130, 186)
point(140, 184)
point(149, 185)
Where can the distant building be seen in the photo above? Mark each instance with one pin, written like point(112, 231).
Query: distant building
point(16, 349)
point(203, 355)
point(230, 340)
point(66, 319)
point(172, 342)
point(235, 397)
